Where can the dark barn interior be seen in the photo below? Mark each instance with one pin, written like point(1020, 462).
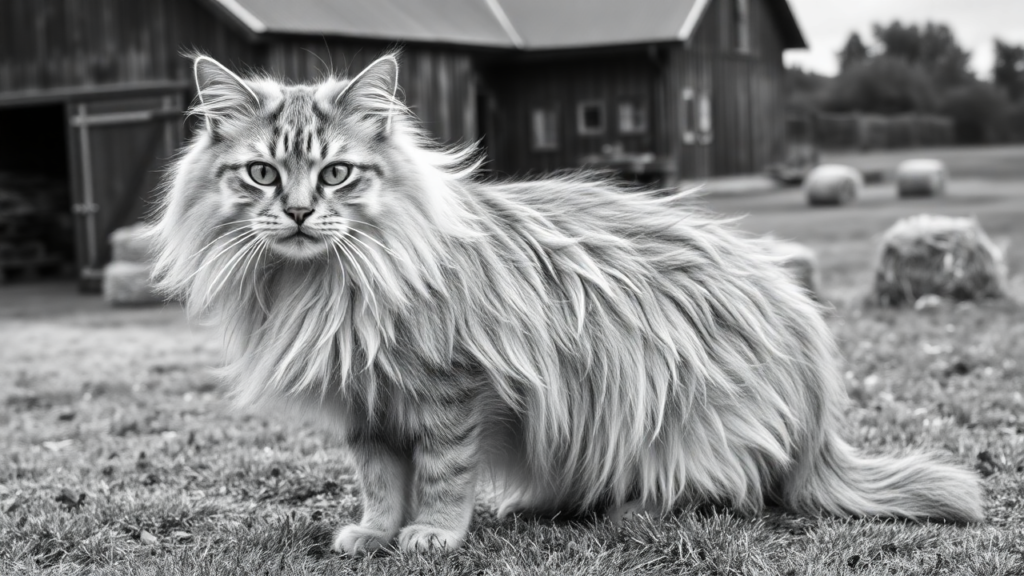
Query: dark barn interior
point(36, 233)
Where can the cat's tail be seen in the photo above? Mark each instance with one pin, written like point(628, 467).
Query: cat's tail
point(837, 479)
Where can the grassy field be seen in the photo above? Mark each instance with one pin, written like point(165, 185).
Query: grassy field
point(119, 454)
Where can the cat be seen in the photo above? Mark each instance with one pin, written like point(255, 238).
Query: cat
point(582, 346)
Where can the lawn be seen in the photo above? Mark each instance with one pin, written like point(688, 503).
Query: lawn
point(119, 454)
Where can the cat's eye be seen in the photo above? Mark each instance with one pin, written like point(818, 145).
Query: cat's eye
point(335, 174)
point(262, 173)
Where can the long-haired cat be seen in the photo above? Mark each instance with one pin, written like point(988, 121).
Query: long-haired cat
point(582, 346)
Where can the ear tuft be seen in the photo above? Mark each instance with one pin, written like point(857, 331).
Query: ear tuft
point(223, 96)
point(374, 90)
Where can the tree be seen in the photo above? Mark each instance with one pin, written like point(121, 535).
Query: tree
point(1008, 72)
point(883, 85)
point(855, 51)
point(932, 47)
point(977, 111)
point(804, 89)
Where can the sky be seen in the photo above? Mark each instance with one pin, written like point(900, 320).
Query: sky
point(826, 25)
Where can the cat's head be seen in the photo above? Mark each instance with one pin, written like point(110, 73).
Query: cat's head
point(298, 166)
point(334, 177)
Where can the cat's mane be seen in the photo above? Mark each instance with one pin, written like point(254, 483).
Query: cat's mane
point(606, 317)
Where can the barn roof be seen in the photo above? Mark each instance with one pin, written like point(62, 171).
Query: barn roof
point(522, 24)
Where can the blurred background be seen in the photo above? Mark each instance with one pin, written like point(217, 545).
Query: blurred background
point(742, 97)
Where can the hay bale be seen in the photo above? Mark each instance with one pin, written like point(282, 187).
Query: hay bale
point(127, 283)
point(833, 184)
point(130, 244)
point(941, 255)
point(802, 264)
point(921, 178)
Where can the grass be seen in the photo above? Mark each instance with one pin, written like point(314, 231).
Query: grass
point(119, 455)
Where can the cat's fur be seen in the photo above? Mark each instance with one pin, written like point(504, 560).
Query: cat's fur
point(583, 346)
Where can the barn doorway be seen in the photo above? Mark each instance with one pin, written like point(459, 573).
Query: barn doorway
point(76, 164)
point(36, 224)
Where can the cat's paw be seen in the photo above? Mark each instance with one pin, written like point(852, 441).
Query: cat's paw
point(631, 510)
point(421, 537)
point(355, 540)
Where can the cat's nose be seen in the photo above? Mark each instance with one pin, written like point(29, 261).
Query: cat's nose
point(298, 214)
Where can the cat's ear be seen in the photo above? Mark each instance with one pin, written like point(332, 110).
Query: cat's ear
point(223, 96)
point(372, 92)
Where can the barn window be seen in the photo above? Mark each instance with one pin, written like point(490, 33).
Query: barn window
point(590, 119)
point(741, 25)
point(695, 116)
point(544, 129)
point(632, 117)
point(704, 117)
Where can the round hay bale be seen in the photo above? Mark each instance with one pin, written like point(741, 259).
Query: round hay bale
point(130, 244)
point(921, 178)
point(802, 264)
point(941, 255)
point(127, 284)
point(833, 184)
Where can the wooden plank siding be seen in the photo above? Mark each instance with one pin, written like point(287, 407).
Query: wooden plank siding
point(48, 44)
point(59, 43)
point(561, 82)
point(748, 115)
point(745, 89)
point(436, 82)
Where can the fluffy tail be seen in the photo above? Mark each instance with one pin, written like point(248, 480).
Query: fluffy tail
point(838, 480)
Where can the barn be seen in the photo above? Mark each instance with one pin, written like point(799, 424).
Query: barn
point(92, 93)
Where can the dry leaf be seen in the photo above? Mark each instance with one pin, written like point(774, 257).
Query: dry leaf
point(58, 445)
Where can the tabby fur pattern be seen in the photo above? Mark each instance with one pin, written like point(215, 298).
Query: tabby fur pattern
point(578, 345)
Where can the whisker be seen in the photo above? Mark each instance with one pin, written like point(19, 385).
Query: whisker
point(359, 270)
point(225, 248)
point(246, 265)
point(244, 220)
point(199, 253)
point(360, 222)
point(228, 269)
point(375, 241)
point(263, 244)
point(340, 265)
point(370, 271)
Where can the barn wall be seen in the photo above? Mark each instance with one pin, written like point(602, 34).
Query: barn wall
point(561, 82)
point(746, 90)
point(61, 43)
point(435, 82)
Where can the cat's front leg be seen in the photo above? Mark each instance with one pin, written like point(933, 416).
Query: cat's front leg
point(385, 476)
point(444, 481)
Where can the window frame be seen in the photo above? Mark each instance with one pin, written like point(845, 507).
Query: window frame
point(741, 26)
point(550, 115)
point(581, 128)
point(638, 105)
point(696, 119)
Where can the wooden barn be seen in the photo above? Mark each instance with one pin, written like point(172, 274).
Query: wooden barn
point(92, 92)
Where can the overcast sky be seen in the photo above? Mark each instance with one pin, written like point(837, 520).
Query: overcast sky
point(827, 24)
